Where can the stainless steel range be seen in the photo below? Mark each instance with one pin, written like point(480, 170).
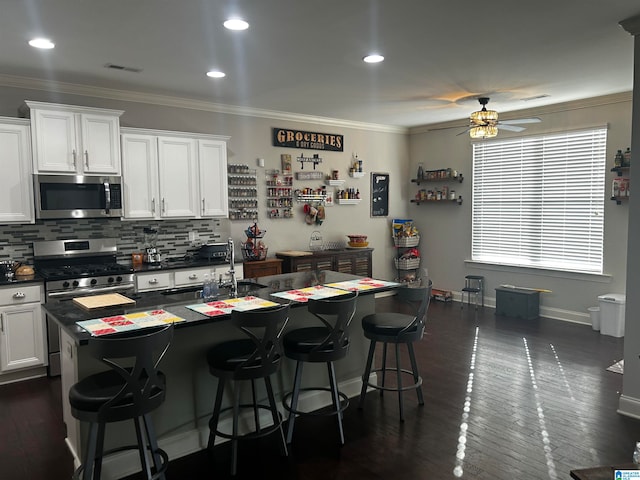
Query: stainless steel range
point(75, 268)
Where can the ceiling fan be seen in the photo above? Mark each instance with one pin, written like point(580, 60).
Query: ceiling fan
point(484, 123)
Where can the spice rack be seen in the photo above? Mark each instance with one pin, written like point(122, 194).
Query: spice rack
point(243, 192)
point(279, 194)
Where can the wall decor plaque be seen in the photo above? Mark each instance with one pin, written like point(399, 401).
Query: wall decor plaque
point(288, 138)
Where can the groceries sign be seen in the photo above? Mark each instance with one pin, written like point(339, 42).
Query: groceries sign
point(283, 137)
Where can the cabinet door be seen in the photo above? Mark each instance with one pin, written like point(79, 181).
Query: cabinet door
point(212, 162)
point(21, 337)
point(16, 196)
point(100, 149)
point(177, 171)
point(54, 141)
point(147, 282)
point(140, 176)
point(192, 276)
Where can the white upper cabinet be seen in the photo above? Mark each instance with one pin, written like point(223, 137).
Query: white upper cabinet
point(173, 174)
point(74, 140)
point(16, 194)
point(212, 160)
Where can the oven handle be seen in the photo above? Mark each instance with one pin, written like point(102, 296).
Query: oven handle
point(86, 291)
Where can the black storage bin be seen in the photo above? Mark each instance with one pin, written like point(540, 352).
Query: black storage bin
point(514, 302)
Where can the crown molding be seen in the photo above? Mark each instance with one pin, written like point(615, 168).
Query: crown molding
point(180, 102)
point(622, 97)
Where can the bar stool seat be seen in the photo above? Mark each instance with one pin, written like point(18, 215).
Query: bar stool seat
point(320, 344)
point(257, 356)
point(130, 390)
point(397, 328)
point(473, 284)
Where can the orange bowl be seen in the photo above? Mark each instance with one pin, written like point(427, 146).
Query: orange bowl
point(358, 244)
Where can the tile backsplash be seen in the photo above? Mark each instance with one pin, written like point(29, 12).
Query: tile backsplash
point(16, 241)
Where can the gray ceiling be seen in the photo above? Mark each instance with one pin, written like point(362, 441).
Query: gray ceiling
point(305, 57)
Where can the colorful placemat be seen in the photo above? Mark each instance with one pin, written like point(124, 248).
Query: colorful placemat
point(224, 307)
point(362, 284)
point(303, 295)
point(127, 322)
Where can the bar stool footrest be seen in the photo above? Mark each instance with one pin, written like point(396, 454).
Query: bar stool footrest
point(264, 431)
point(344, 403)
point(163, 468)
point(412, 386)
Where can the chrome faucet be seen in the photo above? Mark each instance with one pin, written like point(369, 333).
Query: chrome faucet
point(233, 282)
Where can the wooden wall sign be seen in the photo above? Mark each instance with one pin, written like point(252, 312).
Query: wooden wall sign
point(284, 137)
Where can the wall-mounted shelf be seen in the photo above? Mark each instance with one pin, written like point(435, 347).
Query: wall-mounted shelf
point(348, 201)
point(457, 178)
point(357, 174)
point(334, 183)
point(621, 171)
point(320, 197)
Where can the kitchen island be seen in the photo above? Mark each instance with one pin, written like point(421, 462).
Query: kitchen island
point(182, 421)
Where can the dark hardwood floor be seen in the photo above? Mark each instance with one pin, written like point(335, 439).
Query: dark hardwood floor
point(504, 399)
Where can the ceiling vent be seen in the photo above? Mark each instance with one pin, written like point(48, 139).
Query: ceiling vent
point(123, 68)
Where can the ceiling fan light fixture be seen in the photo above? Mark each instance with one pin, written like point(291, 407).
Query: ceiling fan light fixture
point(484, 116)
point(483, 131)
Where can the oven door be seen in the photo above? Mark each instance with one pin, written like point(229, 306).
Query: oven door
point(77, 196)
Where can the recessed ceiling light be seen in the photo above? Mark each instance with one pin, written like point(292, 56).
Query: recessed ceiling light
point(236, 24)
point(216, 74)
point(41, 43)
point(373, 58)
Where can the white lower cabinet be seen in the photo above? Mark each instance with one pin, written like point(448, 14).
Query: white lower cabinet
point(173, 174)
point(22, 326)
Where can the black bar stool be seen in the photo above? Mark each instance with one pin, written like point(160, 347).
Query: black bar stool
point(473, 284)
point(130, 390)
point(320, 344)
point(397, 328)
point(257, 355)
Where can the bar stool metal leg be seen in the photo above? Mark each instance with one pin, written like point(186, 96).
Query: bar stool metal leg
point(294, 401)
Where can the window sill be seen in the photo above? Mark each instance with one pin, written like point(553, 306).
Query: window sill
point(547, 272)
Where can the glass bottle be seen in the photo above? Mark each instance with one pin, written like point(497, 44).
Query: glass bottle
point(206, 288)
point(420, 172)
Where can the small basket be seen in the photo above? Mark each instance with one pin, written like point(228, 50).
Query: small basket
point(407, 263)
point(250, 234)
point(252, 254)
point(316, 244)
point(406, 241)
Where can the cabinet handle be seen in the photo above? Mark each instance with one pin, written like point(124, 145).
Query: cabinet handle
point(163, 209)
point(19, 295)
point(73, 153)
point(2, 322)
point(153, 206)
point(193, 276)
point(86, 159)
point(203, 206)
point(153, 281)
point(70, 350)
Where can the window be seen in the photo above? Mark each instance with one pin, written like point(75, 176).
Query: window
point(539, 201)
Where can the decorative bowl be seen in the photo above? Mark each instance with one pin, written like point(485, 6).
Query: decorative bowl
point(357, 238)
point(358, 244)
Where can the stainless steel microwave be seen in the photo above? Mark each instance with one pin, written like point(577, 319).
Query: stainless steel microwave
point(77, 196)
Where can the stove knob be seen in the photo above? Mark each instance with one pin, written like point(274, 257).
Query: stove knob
point(75, 283)
point(65, 284)
point(93, 281)
point(110, 280)
point(118, 279)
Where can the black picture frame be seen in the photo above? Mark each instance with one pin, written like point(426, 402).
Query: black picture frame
point(379, 194)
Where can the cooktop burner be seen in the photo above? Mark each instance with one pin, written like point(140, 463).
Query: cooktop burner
point(57, 272)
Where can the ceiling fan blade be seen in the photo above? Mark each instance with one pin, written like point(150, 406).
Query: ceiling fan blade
point(518, 121)
point(511, 128)
point(466, 130)
point(446, 128)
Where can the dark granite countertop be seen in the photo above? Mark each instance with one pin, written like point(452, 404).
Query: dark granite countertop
point(67, 313)
point(19, 280)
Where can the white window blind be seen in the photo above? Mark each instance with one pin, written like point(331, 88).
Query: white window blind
point(539, 201)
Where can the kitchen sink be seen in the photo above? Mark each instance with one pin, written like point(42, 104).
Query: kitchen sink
point(245, 287)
